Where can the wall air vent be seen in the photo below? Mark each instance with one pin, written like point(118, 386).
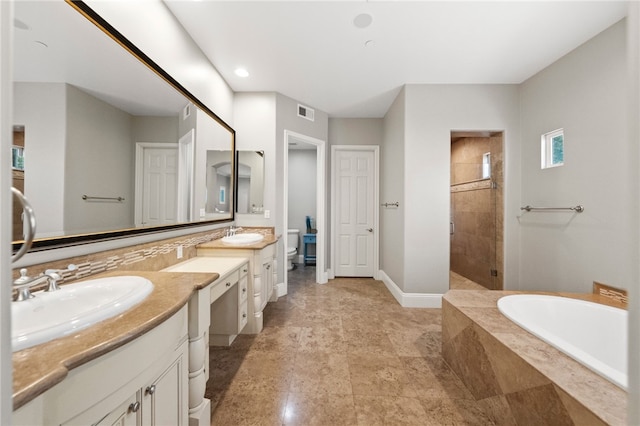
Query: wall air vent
point(305, 112)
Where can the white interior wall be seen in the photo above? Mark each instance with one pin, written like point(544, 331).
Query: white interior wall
point(585, 93)
point(432, 111)
point(633, 102)
point(392, 189)
point(6, 125)
point(302, 190)
point(287, 119)
point(352, 131)
point(41, 108)
point(255, 128)
point(356, 131)
point(152, 28)
point(99, 162)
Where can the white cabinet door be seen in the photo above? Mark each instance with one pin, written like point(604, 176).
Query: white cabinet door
point(267, 283)
point(164, 401)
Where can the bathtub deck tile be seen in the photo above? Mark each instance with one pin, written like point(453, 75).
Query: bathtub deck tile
point(580, 385)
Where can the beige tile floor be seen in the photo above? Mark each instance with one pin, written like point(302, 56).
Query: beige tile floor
point(343, 353)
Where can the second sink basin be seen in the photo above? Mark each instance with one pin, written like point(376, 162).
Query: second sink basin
point(243, 239)
point(50, 315)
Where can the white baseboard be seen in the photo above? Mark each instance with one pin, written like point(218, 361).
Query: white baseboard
point(411, 300)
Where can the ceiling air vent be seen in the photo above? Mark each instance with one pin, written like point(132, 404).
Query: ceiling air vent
point(305, 112)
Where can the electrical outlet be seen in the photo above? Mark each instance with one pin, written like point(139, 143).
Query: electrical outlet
point(267, 214)
point(202, 213)
point(179, 252)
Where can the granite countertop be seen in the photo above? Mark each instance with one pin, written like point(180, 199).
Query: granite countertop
point(39, 368)
point(609, 401)
point(218, 244)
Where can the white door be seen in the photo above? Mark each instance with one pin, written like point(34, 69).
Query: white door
point(354, 214)
point(160, 184)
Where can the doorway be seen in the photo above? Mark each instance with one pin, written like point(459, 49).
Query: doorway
point(477, 210)
point(312, 146)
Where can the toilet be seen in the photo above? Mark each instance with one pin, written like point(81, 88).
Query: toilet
point(292, 247)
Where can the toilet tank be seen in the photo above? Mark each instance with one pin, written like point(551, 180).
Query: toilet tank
point(292, 238)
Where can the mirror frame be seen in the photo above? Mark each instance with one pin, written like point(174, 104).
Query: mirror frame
point(77, 239)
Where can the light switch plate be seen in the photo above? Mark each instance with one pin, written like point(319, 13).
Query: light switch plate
point(267, 214)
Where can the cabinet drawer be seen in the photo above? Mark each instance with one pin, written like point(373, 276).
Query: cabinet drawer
point(244, 270)
point(243, 289)
point(243, 316)
point(222, 285)
point(309, 239)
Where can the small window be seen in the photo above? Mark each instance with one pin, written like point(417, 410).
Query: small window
point(552, 149)
point(486, 165)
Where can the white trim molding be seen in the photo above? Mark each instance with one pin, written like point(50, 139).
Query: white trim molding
point(411, 300)
point(321, 190)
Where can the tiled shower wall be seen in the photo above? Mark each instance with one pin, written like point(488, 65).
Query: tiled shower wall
point(476, 211)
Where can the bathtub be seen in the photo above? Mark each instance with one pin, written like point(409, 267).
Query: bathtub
point(595, 335)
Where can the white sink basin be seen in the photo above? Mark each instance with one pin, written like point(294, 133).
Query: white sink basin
point(243, 239)
point(50, 315)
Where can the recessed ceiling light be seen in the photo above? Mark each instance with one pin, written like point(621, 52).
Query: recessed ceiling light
point(363, 20)
point(241, 72)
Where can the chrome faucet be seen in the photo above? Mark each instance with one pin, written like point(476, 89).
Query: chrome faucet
point(232, 230)
point(24, 283)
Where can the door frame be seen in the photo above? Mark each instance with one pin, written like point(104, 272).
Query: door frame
point(139, 173)
point(321, 190)
point(376, 202)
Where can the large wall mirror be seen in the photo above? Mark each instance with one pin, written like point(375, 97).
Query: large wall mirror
point(106, 144)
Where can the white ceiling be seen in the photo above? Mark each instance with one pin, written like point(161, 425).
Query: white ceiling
point(63, 50)
point(312, 52)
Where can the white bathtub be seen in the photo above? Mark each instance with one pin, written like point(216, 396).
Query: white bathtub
point(595, 335)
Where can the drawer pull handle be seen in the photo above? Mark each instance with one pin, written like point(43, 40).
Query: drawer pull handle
point(244, 290)
point(268, 267)
point(134, 407)
point(244, 315)
point(245, 270)
point(228, 284)
point(151, 389)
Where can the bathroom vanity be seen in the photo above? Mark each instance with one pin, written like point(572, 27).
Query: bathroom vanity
point(130, 369)
point(217, 314)
point(261, 276)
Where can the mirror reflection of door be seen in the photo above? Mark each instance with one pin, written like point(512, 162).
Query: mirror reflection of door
point(160, 183)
